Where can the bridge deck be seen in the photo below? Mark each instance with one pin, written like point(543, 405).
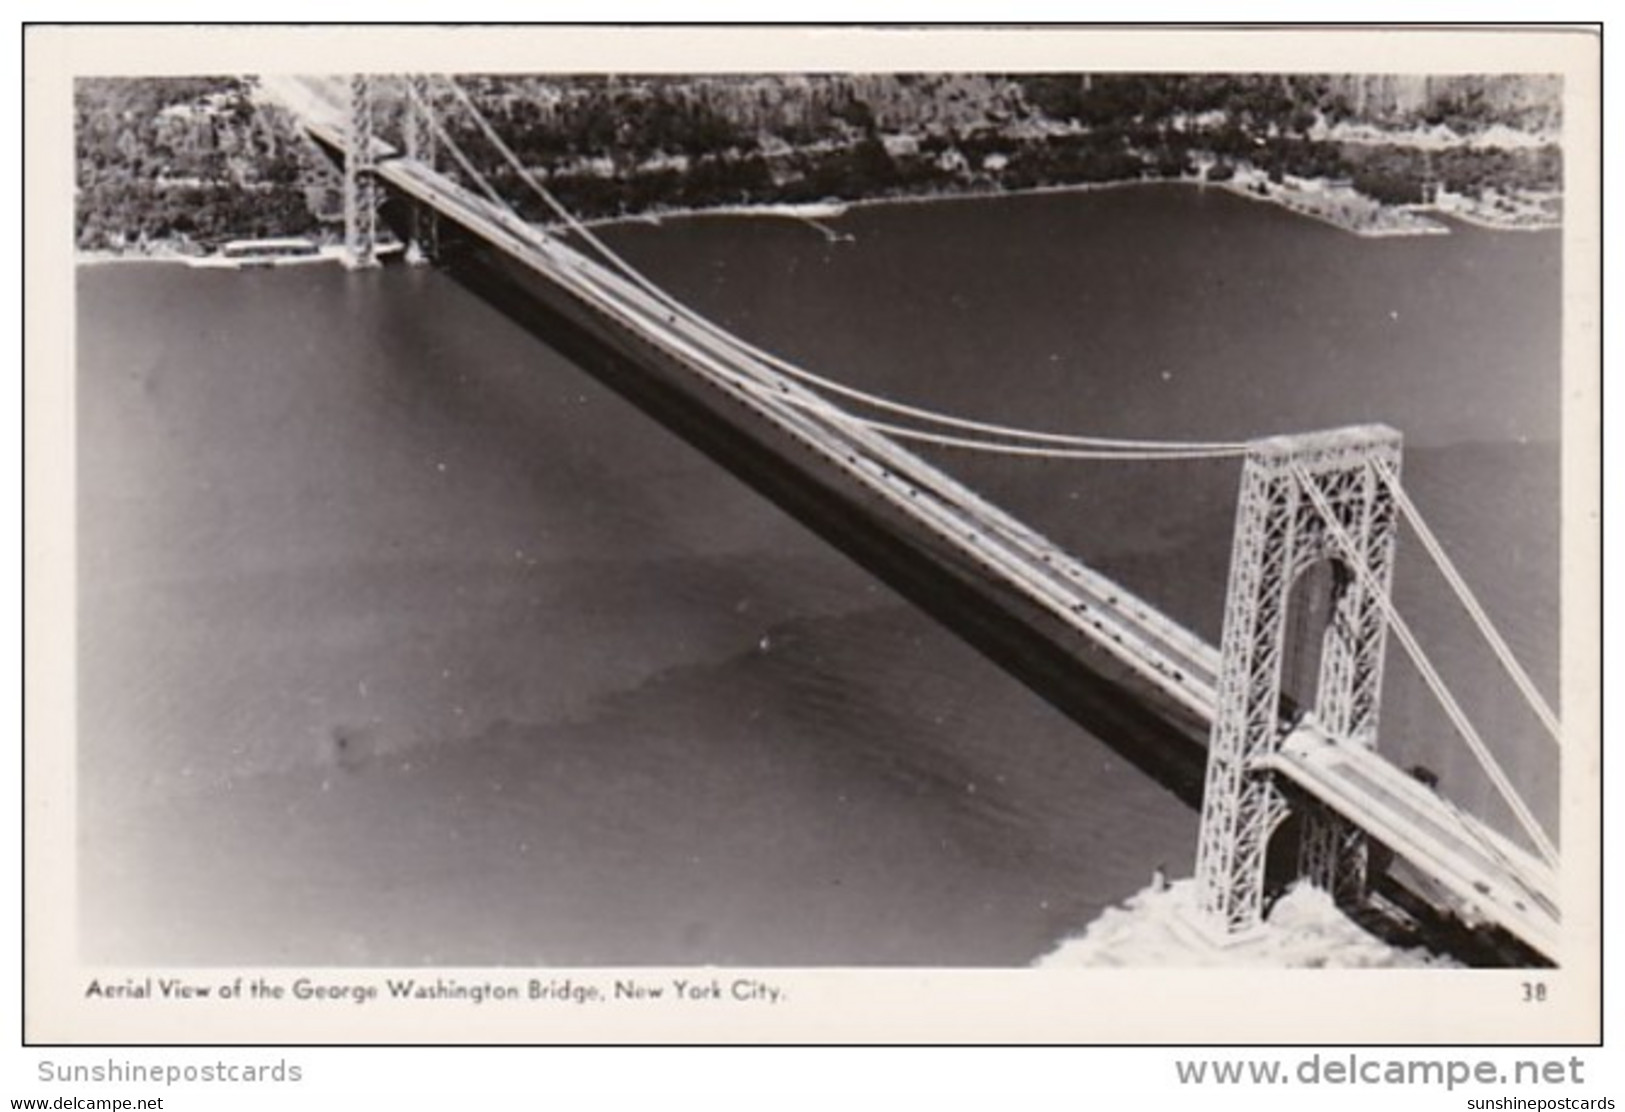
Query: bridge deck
point(1487, 875)
point(1164, 654)
point(1490, 878)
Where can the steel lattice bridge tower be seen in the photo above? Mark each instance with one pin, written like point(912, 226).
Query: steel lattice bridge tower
point(1281, 533)
point(361, 191)
point(1317, 521)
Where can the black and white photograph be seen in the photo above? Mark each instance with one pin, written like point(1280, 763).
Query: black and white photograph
point(754, 519)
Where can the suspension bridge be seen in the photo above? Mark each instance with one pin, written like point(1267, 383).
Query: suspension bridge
point(1214, 723)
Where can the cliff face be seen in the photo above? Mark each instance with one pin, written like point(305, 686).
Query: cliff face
point(1466, 103)
point(186, 163)
point(629, 144)
point(941, 104)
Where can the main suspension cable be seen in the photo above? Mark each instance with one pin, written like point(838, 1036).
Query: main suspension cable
point(1105, 447)
point(1464, 594)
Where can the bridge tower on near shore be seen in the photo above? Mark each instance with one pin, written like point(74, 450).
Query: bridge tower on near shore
point(360, 186)
point(1284, 528)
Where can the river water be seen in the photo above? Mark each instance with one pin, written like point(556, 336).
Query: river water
point(402, 641)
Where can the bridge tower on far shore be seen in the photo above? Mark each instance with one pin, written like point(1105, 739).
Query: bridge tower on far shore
point(361, 192)
point(360, 186)
point(1304, 499)
point(423, 147)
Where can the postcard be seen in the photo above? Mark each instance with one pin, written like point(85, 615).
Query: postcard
point(812, 535)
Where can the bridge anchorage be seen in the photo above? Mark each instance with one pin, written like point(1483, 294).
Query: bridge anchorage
point(1307, 501)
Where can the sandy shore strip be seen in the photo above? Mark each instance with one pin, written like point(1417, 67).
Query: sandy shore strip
point(107, 258)
point(817, 214)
